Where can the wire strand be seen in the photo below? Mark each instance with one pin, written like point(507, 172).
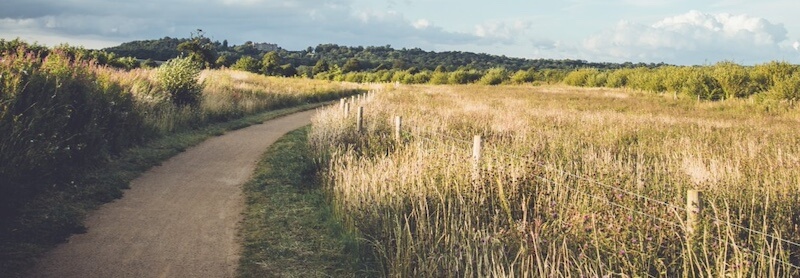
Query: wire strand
point(615, 188)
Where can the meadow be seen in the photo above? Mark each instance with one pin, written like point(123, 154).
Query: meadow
point(571, 182)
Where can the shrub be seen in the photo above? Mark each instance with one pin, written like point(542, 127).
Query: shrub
point(787, 88)
point(703, 86)
point(580, 77)
point(494, 76)
point(462, 76)
point(439, 78)
point(56, 116)
point(734, 79)
point(522, 76)
point(618, 78)
point(179, 78)
point(247, 63)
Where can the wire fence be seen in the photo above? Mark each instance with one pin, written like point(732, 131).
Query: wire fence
point(678, 209)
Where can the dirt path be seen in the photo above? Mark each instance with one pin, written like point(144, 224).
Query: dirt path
point(178, 219)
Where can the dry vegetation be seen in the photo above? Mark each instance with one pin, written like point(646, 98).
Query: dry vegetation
point(64, 119)
point(572, 183)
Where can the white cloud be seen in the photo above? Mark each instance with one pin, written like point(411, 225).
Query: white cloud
point(421, 24)
point(692, 37)
point(796, 45)
point(507, 31)
point(293, 24)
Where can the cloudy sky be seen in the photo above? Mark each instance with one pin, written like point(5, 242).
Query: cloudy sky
point(672, 31)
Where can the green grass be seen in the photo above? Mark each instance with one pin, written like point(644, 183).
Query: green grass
point(59, 212)
point(289, 229)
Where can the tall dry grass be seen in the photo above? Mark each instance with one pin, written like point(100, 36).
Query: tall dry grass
point(572, 182)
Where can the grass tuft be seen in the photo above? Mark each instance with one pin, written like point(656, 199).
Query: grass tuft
point(289, 230)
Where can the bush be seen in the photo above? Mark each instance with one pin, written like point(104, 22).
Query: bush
point(734, 79)
point(247, 63)
point(618, 78)
point(57, 116)
point(523, 76)
point(786, 89)
point(703, 86)
point(462, 76)
point(179, 78)
point(580, 77)
point(495, 76)
point(439, 78)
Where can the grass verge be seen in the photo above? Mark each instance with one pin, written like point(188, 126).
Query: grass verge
point(56, 214)
point(289, 229)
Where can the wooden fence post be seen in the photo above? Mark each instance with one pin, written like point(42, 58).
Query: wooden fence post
point(398, 124)
point(694, 207)
point(346, 109)
point(477, 147)
point(341, 104)
point(360, 119)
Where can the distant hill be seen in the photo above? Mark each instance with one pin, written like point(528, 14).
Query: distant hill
point(159, 50)
point(369, 58)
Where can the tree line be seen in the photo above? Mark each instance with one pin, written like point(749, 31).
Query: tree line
point(347, 58)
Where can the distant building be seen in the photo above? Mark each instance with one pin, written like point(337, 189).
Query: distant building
point(262, 46)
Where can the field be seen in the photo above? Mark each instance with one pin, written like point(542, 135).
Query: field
point(570, 182)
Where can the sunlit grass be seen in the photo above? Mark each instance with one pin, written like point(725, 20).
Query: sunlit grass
point(572, 182)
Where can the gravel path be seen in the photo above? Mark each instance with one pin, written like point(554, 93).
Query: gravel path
point(178, 219)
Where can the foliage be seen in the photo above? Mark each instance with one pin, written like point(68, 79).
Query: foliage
point(180, 79)
point(320, 67)
point(351, 65)
point(56, 115)
point(271, 64)
point(247, 63)
point(787, 88)
point(200, 49)
point(494, 76)
point(523, 76)
point(734, 80)
point(580, 77)
point(371, 58)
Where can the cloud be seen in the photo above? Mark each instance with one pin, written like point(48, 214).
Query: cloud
point(506, 31)
point(421, 24)
point(293, 24)
point(692, 37)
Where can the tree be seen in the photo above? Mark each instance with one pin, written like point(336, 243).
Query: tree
point(223, 61)
point(288, 70)
point(351, 65)
point(320, 67)
point(271, 64)
point(246, 63)
point(200, 49)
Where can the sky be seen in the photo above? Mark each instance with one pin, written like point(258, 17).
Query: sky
point(684, 32)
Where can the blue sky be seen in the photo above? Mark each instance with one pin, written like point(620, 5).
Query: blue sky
point(671, 31)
